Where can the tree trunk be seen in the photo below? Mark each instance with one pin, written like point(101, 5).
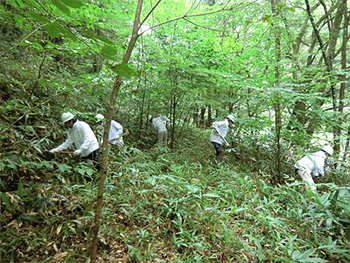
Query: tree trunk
point(277, 105)
point(202, 113)
point(343, 66)
point(210, 119)
point(104, 162)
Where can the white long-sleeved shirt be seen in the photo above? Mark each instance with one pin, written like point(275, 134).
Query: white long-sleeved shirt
point(158, 123)
point(82, 137)
point(312, 163)
point(223, 127)
point(116, 130)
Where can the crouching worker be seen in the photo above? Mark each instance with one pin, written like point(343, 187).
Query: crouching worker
point(159, 124)
point(115, 136)
point(313, 164)
point(84, 140)
point(218, 134)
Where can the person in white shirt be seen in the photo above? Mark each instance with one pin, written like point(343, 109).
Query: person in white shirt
point(81, 135)
point(159, 124)
point(313, 164)
point(218, 134)
point(115, 136)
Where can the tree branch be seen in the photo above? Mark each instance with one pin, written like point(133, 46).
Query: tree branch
point(213, 29)
point(187, 16)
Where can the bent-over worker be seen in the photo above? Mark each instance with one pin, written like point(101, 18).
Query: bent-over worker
point(81, 135)
point(218, 134)
point(115, 131)
point(313, 164)
point(159, 124)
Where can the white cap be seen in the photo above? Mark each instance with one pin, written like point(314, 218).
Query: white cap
point(67, 116)
point(328, 149)
point(231, 117)
point(99, 117)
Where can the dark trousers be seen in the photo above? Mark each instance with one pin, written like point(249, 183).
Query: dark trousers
point(219, 151)
point(95, 158)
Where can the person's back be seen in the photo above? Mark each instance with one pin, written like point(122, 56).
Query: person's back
point(83, 138)
point(115, 133)
point(158, 123)
point(313, 164)
point(218, 134)
point(222, 127)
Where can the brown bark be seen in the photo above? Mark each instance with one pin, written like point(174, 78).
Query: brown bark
point(116, 86)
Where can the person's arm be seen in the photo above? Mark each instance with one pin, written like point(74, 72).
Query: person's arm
point(67, 143)
point(165, 118)
point(319, 166)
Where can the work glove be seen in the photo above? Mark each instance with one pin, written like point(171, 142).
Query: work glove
point(77, 152)
point(53, 150)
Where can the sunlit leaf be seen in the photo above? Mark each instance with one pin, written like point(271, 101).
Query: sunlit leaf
point(61, 6)
point(37, 17)
point(73, 3)
point(109, 51)
point(123, 70)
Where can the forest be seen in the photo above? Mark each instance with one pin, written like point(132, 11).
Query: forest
point(279, 68)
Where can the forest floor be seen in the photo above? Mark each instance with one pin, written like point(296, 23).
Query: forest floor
point(164, 205)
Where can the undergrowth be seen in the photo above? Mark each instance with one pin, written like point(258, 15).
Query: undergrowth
point(163, 205)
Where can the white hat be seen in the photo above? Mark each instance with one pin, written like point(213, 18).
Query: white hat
point(231, 117)
point(328, 149)
point(67, 116)
point(99, 117)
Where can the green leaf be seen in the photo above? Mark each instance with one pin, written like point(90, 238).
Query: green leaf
point(211, 195)
point(61, 7)
point(12, 2)
point(291, 9)
point(123, 70)
point(38, 17)
point(104, 39)
point(73, 3)
point(313, 260)
point(21, 4)
point(63, 167)
point(20, 188)
point(306, 253)
point(37, 46)
point(6, 199)
point(42, 82)
point(18, 19)
point(109, 52)
point(52, 30)
point(65, 31)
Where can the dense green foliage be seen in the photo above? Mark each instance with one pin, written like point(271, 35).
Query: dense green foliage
point(170, 206)
point(195, 61)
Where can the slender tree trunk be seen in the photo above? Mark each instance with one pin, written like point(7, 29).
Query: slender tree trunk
point(195, 116)
point(210, 118)
point(335, 30)
point(173, 121)
point(277, 105)
point(344, 65)
point(104, 162)
point(142, 107)
point(202, 113)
